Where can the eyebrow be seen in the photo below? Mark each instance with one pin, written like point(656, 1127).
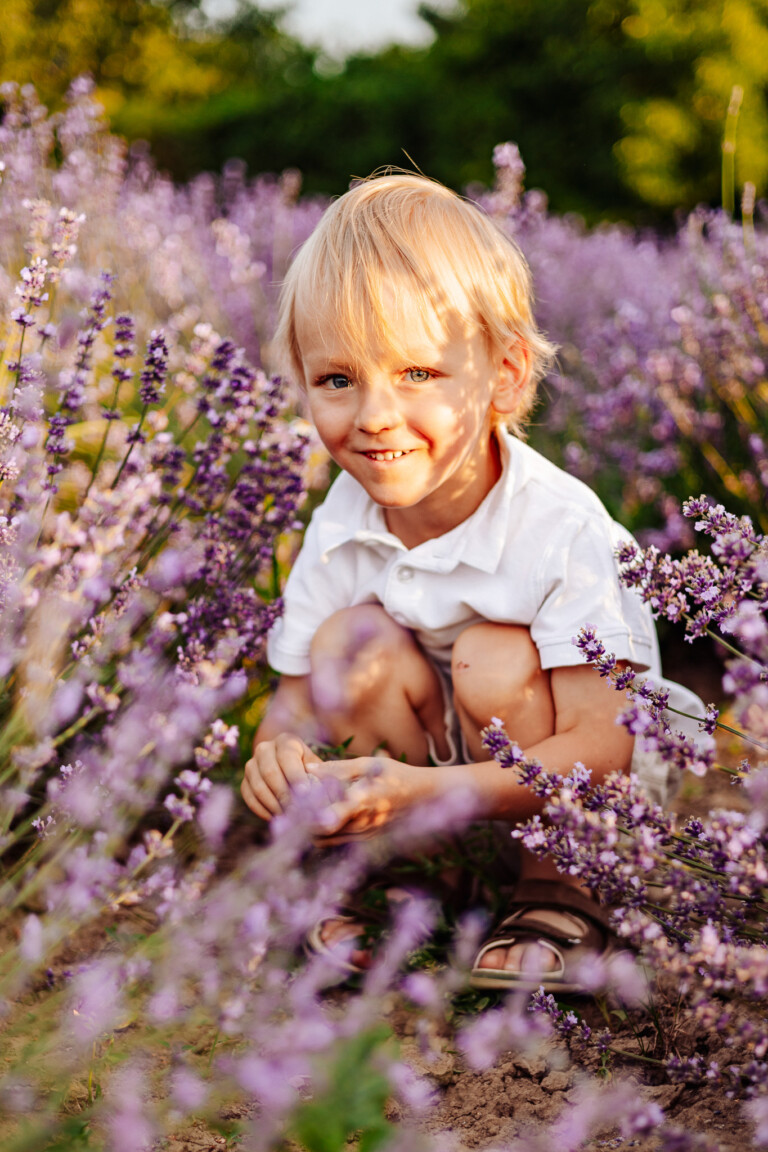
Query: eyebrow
point(419, 356)
point(327, 366)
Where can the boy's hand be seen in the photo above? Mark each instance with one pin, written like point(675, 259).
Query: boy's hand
point(275, 770)
point(378, 789)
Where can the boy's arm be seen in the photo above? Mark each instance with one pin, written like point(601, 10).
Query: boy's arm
point(289, 709)
point(586, 730)
point(586, 707)
point(280, 760)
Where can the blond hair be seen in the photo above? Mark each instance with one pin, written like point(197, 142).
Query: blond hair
point(405, 233)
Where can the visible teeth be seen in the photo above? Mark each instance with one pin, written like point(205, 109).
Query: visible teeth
point(384, 455)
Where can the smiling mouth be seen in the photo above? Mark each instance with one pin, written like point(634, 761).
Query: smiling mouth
point(380, 457)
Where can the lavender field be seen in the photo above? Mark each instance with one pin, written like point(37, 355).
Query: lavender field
point(154, 482)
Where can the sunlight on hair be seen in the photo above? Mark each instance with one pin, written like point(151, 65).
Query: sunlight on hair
point(400, 242)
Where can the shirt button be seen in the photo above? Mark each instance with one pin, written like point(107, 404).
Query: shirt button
point(405, 574)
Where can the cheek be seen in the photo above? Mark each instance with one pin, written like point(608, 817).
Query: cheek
point(329, 422)
point(438, 413)
point(454, 422)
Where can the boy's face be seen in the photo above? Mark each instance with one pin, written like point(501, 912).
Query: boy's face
point(415, 430)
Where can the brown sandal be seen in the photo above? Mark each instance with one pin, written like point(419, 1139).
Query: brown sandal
point(372, 921)
point(372, 908)
point(521, 925)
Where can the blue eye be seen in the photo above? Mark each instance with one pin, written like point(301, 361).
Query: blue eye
point(418, 375)
point(336, 381)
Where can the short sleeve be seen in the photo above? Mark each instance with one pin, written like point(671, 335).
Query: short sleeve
point(315, 589)
point(579, 581)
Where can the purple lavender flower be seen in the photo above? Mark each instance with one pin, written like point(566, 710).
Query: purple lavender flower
point(155, 368)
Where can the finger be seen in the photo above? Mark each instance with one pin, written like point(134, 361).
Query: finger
point(348, 828)
point(259, 773)
point(343, 769)
point(360, 823)
point(261, 796)
point(275, 764)
point(353, 811)
point(351, 831)
point(310, 757)
point(333, 818)
point(277, 769)
point(249, 796)
point(296, 771)
point(292, 759)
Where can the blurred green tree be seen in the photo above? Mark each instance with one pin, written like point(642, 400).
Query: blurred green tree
point(667, 153)
point(618, 106)
point(131, 47)
point(160, 66)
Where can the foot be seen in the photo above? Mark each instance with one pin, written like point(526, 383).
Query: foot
point(532, 957)
point(335, 935)
point(547, 923)
point(336, 932)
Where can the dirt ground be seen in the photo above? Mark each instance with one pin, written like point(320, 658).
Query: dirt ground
point(523, 1094)
point(530, 1092)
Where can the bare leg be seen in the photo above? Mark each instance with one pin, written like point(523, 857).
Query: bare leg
point(496, 672)
point(371, 681)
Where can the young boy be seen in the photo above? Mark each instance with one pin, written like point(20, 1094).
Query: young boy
point(444, 577)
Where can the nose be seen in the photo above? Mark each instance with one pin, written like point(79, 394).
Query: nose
point(378, 408)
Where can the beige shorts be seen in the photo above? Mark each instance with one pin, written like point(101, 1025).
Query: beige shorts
point(648, 766)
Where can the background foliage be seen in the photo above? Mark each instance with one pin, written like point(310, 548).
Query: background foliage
point(618, 105)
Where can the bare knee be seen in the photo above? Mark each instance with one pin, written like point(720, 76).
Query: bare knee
point(354, 652)
point(364, 626)
point(496, 671)
point(501, 657)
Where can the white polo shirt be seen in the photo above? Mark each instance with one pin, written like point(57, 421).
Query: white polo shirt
point(539, 551)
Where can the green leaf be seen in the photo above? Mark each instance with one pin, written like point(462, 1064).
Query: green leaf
point(352, 1101)
point(73, 1132)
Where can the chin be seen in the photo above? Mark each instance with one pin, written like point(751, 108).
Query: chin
point(389, 501)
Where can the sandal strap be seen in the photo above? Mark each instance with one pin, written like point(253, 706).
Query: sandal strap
point(512, 931)
point(559, 897)
point(523, 922)
point(516, 926)
point(524, 937)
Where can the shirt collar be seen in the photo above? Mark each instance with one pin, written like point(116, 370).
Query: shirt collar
point(478, 541)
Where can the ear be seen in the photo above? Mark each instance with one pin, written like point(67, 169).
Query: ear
point(514, 374)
